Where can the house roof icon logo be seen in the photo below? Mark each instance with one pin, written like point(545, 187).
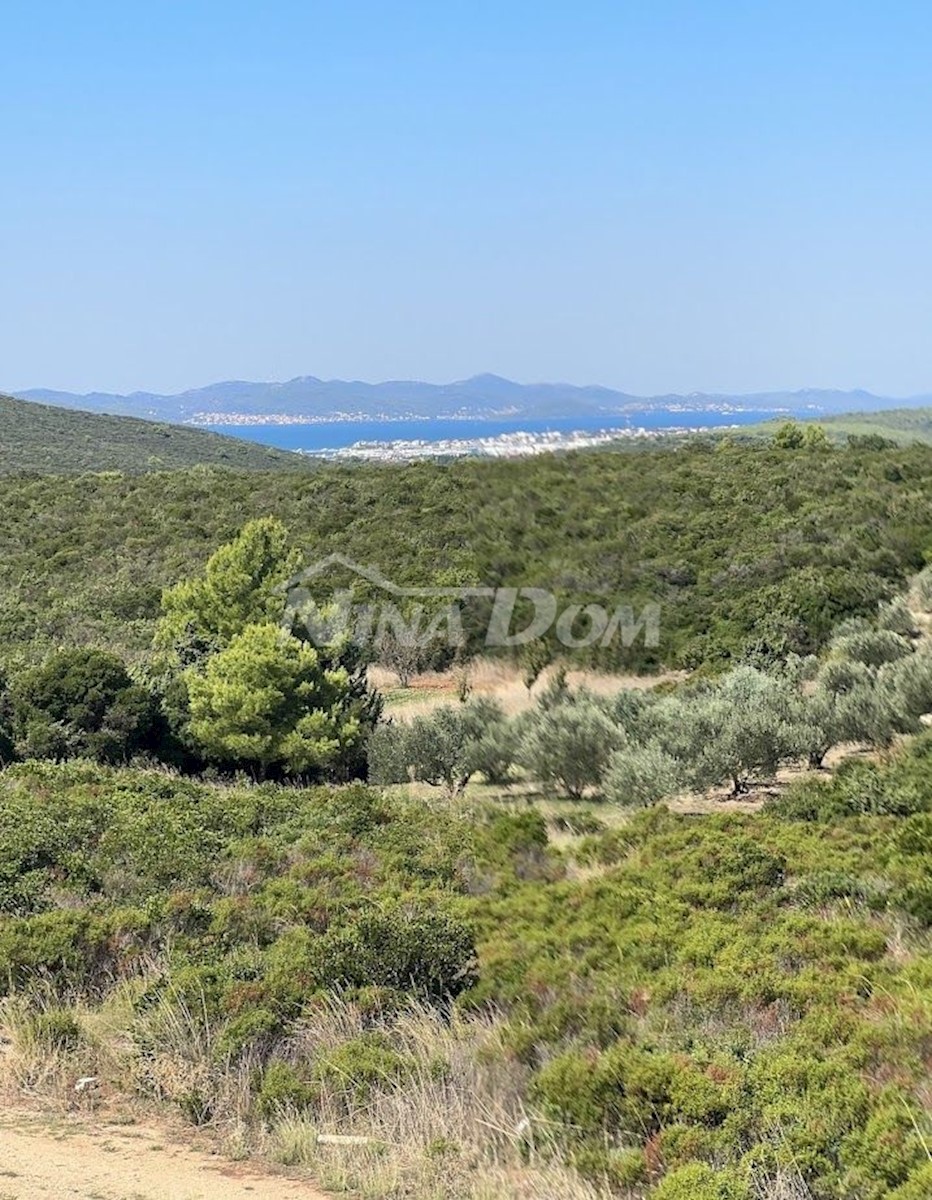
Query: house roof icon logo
point(375, 578)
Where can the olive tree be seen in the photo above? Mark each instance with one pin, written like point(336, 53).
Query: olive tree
point(896, 617)
point(843, 705)
point(873, 647)
point(567, 743)
point(742, 726)
point(922, 589)
point(495, 750)
point(636, 711)
point(446, 747)
point(637, 776)
point(904, 690)
point(852, 701)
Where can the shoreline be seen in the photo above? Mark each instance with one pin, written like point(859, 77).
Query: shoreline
point(505, 445)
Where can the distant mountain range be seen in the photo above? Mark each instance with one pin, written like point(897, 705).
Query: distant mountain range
point(483, 396)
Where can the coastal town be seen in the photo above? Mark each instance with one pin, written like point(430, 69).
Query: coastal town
point(505, 445)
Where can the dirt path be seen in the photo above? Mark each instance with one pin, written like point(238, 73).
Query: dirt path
point(84, 1160)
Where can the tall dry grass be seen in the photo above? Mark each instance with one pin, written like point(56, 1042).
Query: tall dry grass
point(453, 1125)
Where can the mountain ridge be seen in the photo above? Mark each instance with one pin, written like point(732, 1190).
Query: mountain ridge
point(478, 397)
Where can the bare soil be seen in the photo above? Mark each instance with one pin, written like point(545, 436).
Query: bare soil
point(91, 1158)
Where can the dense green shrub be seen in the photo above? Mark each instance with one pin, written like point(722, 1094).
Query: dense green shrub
point(824, 887)
point(82, 703)
point(918, 1185)
point(859, 788)
point(914, 835)
point(56, 1029)
point(362, 1065)
point(623, 1088)
point(250, 1032)
point(409, 946)
point(730, 870)
point(700, 1182)
point(281, 1089)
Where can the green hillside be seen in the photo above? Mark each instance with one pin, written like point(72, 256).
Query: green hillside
point(902, 426)
point(905, 426)
point(742, 546)
point(40, 438)
point(482, 966)
point(898, 424)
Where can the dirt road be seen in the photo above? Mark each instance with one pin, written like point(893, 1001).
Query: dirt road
point(80, 1160)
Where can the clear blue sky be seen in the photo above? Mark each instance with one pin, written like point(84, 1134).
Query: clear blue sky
point(647, 194)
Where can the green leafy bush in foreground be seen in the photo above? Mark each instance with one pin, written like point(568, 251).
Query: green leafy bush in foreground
point(693, 1006)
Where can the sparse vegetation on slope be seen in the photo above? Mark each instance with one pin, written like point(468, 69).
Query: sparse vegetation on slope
point(896, 424)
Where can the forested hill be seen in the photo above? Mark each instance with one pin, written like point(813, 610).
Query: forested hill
point(898, 424)
point(40, 438)
point(746, 548)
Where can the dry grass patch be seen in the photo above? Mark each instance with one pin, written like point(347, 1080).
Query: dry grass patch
point(498, 681)
point(450, 1123)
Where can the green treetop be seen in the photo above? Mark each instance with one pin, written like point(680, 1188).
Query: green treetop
point(267, 702)
point(243, 584)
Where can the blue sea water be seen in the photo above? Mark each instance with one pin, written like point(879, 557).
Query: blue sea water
point(334, 435)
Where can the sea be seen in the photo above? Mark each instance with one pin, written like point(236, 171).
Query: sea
point(337, 435)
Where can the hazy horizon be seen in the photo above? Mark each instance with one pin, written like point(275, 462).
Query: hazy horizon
point(923, 395)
